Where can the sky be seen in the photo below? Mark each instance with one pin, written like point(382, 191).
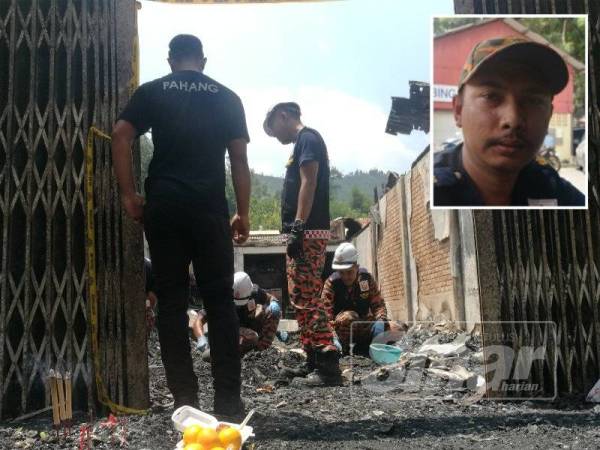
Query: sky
point(341, 61)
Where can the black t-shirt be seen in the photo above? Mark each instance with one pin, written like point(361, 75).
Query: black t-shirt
point(537, 185)
point(310, 146)
point(192, 118)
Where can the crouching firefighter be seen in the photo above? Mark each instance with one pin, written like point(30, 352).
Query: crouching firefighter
point(353, 303)
point(258, 312)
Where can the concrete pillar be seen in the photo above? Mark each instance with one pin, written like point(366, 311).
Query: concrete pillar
point(238, 259)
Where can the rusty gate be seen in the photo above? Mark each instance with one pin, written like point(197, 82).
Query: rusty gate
point(544, 266)
point(66, 65)
point(60, 72)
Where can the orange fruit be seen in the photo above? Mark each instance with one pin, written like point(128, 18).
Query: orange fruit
point(221, 426)
point(193, 446)
point(190, 434)
point(230, 438)
point(208, 437)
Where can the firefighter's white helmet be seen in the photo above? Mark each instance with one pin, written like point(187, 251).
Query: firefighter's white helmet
point(345, 256)
point(242, 285)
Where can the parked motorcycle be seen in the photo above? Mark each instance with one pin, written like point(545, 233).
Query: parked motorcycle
point(547, 156)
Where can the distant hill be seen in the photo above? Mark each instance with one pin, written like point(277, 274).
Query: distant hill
point(364, 181)
point(341, 185)
point(272, 184)
point(351, 195)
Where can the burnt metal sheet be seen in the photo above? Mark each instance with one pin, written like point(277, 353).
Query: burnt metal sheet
point(411, 113)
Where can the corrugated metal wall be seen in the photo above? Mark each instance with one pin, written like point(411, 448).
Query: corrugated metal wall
point(544, 265)
point(62, 70)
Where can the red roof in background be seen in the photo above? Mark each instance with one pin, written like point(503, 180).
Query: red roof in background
point(451, 49)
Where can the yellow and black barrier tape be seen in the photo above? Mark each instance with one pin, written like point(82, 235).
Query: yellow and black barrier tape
point(90, 249)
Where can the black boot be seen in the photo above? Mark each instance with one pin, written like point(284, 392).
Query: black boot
point(186, 400)
point(302, 370)
point(327, 371)
point(229, 408)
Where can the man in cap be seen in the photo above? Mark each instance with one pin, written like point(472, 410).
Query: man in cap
point(352, 300)
point(504, 106)
point(258, 312)
point(194, 120)
point(305, 219)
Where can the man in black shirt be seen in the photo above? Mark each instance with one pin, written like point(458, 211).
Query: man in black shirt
point(194, 119)
point(305, 218)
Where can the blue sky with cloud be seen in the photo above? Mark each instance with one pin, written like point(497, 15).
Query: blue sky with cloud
point(342, 61)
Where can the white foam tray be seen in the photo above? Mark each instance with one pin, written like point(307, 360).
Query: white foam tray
point(186, 416)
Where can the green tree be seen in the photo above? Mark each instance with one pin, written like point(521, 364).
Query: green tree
point(349, 194)
point(343, 209)
point(265, 213)
point(567, 34)
point(146, 152)
point(229, 192)
point(359, 202)
point(335, 180)
point(442, 25)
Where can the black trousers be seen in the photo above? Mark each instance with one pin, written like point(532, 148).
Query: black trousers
point(178, 234)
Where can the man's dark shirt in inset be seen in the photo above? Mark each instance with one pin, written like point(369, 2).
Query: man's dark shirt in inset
point(537, 185)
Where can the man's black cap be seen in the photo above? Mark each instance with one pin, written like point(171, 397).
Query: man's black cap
point(185, 46)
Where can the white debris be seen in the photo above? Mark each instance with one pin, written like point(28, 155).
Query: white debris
point(478, 357)
point(450, 375)
point(456, 347)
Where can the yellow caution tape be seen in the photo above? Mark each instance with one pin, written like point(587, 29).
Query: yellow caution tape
point(90, 248)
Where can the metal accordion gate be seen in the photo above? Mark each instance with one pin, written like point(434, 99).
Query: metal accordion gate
point(544, 265)
point(60, 73)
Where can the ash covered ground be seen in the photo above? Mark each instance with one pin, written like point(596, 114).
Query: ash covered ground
point(437, 405)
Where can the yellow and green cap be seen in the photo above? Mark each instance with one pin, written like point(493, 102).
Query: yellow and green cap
point(542, 59)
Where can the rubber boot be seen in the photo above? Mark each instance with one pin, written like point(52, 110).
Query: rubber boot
point(229, 408)
point(301, 371)
point(189, 400)
point(327, 371)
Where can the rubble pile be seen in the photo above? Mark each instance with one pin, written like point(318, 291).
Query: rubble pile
point(437, 360)
point(428, 398)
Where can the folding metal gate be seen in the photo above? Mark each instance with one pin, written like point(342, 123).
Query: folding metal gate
point(60, 72)
point(544, 266)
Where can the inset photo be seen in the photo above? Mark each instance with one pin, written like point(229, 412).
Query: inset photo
point(508, 112)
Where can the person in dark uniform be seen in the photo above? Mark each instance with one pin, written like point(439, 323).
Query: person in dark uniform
point(504, 106)
point(305, 220)
point(194, 120)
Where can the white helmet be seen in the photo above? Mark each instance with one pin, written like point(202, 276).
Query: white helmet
point(242, 286)
point(345, 257)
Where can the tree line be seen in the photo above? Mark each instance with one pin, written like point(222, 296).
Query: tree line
point(350, 195)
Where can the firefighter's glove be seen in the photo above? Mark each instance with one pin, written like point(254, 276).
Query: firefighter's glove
point(295, 241)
